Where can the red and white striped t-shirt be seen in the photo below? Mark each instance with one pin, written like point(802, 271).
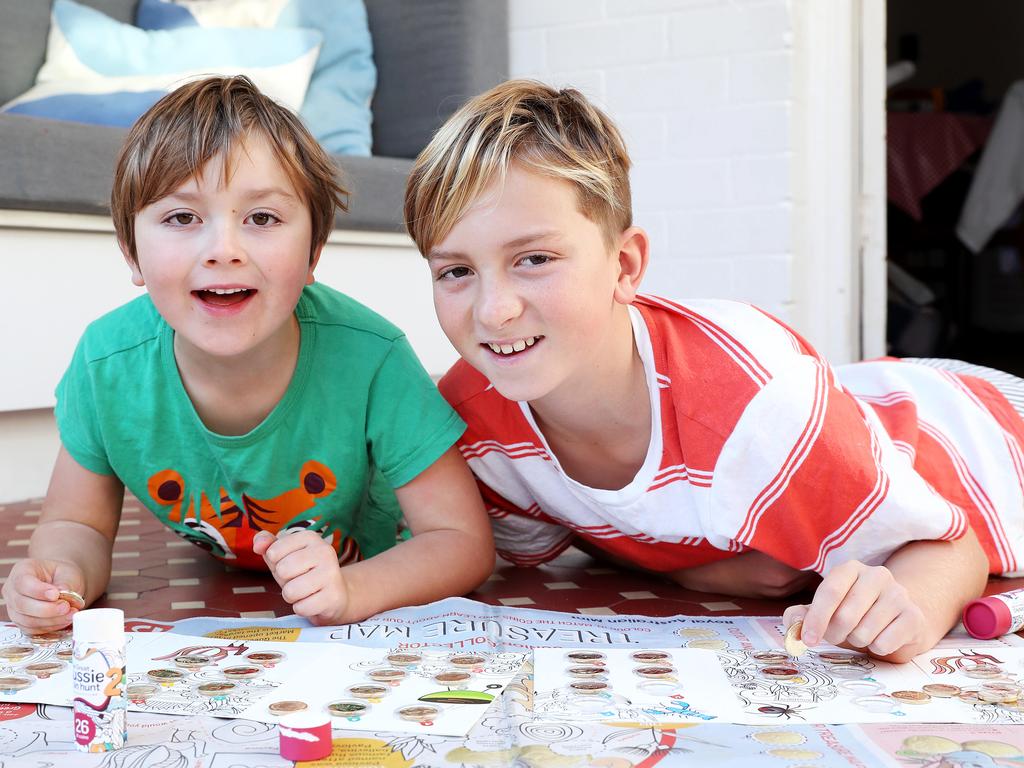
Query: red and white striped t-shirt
point(757, 443)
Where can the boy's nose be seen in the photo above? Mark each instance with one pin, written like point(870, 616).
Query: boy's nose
point(497, 305)
point(225, 247)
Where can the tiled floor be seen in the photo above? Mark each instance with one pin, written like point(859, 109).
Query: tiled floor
point(156, 575)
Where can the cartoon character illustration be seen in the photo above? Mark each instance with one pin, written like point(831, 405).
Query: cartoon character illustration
point(226, 530)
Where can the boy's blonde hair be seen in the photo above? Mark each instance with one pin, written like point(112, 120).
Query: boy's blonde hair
point(554, 132)
point(181, 133)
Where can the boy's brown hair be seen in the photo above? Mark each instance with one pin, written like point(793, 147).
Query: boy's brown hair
point(188, 127)
point(549, 131)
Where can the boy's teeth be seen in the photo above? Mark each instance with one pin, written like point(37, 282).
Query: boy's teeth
point(225, 291)
point(519, 346)
point(507, 349)
point(530, 341)
point(515, 346)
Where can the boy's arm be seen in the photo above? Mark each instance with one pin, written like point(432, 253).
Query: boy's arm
point(901, 609)
point(70, 548)
point(451, 552)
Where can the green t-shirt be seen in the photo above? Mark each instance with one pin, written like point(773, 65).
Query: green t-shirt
point(359, 418)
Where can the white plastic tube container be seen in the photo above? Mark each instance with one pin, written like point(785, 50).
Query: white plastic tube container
point(98, 671)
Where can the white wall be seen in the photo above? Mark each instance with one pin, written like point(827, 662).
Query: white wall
point(703, 92)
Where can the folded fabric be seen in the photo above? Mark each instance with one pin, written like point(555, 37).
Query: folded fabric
point(100, 71)
point(337, 105)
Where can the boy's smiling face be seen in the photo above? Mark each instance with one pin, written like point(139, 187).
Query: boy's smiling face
point(225, 262)
point(525, 288)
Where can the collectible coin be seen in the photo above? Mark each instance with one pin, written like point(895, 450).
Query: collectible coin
point(265, 658)
point(138, 694)
point(794, 645)
point(1009, 692)
point(769, 657)
point(64, 654)
point(347, 708)
point(911, 697)
point(44, 669)
point(451, 677)
point(941, 690)
point(50, 638)
point(16, 652)
point(588, 686)
point(403, 659)
point(585, 671)
point(14, 683)
point(467, 660)
point(780, 673)
point(72, 598)
point(662, 670)
point(983, 671)
point(839, 657)
point(191, 662)
point(286, 707)
point(165, 675)
point(368, 691)
point(241, 672)
point(216, 688)
point(418, 712)
point(386, 674)
point(648, 657)
point(969, 695)
point(589, 657)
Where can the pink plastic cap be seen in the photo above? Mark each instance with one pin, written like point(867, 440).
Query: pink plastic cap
point(305, 736)
point(986, 617)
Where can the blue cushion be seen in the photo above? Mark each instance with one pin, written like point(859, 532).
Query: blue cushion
point(100, 71)
point(337, 105)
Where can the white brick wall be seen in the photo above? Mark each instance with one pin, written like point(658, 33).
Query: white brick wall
point(702, 90)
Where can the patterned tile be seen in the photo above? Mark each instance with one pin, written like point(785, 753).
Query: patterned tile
point(513, 601)
point(562, 585)
point(727, 605)
point(599, 611)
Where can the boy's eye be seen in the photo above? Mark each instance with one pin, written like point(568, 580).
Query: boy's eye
point(262, 218)
point(453, 273)
point(182, 219)
point(536, 259)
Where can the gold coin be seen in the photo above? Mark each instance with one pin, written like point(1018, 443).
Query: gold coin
point(16, 652)
point(215, 688)
point(648, 657)
point(265, 658)
point(140, 692)
point(448, 678)
point(983, 671)
point(240, 673)
point(165, 675)
point(911, 697)
point(403, 659)
point(780, 673)
point(284, 707)
point(44, 669)
point(588, 686)
point(347, 708)
point(64, 654)
point(368, 691)
point(769, 657)
point(941, 690)
point(418, 712)
point(14, 683)
point(386, 674)
point(72, 598)
point(50, 638)
point(794, 645)
point(191, 662)
point(466, 660)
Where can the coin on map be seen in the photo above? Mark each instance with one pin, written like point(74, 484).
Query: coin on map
point(265, 658)
point(418, 712)
point(1007, 692)
point(139, 693)
point(794, 645)
point(467, 660)
point(403, 659)
point(286, 707)
point(661, 670)
point(386, 674)
point(191, 662)
point(64, 654)
point(588, 686)
point(588, 656)
point(44, 669)
point(911, 697)
point(165, 675)
point(14, 683)
point(347, 708)
point(216, 689)
point(16, 652)
point(647, 657)
point(368, 691)
point(50, 638)
point(72, 598)
point(769, 657)
point(241, 672)
point(968, 695)
point(983, 671)
point(452, 677)
point(586, 671)
point(780, 673)
point(941, 690)
point(841, 657)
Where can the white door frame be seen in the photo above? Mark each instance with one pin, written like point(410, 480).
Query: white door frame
point(839, 176)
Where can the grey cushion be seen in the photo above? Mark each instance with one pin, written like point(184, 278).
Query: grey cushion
point(24, 27)
point(47, 165)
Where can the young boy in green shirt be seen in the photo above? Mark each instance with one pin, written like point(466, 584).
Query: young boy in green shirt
point(260, 415)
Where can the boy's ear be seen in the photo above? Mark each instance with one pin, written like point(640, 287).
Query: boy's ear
point(634, 251)
point(133, 264)
point(310, 278)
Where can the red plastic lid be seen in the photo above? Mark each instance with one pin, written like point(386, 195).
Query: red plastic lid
point(986, 617)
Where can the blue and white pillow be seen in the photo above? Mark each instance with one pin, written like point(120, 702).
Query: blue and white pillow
point(100, 71)
point(337, 105)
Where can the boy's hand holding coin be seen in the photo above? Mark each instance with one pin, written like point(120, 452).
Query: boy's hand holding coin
point(307, 570)
point(43, 595)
